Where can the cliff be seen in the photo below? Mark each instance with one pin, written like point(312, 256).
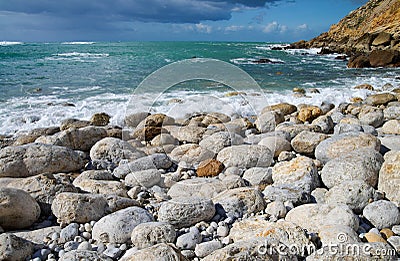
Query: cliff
point(368, 33)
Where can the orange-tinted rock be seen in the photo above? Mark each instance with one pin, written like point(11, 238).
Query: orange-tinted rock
point(210, 168)
point(374, 238)
point(309, 113)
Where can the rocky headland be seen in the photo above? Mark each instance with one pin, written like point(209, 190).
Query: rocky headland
point(370, 35)
point(290, 184)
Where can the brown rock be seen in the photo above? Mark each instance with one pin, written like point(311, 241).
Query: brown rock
point(356, 100)
point(299, 90)
point(158, 120)
point(365, 86)
point(306, 142)
point(100, 119)
point(386, 233)
point(309, 113)
point(148, 133)
point(380, 99)
point(358, 61)
point(382, 38)
point(283, 108)
point(374, 238)
point(389, 176)
point(391, 127)
point(32, 135)
point(382, 58)
point(210, 168)
point(73, 123)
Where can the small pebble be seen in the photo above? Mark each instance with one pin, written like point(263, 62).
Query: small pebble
point(86, 235)
point(88, 227)
point(81, 228)
point(79, 239)
point(375, 230)
point(112, 252)
point(61, 253)
point(226, 240)
point(123, 247)
point(396, 229)
point(52, 246)
point(188, 254)
point(71, 245)
point(37, 259)
point(222, 231)
point(55, 236)
point(210, 230)
point(85, 246)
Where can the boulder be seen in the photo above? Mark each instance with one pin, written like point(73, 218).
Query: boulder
point(114, 150)
point(77, 254)
point(17, 209)
point(246, 156)
point(184, 212)
point(117, 227)
point(325, 122)
point(267, 121)
point(38, 236)
point(309, 113)
point(287, 193)
point(240, 201)
point(294, 129)
point(391, 127)
point(389, 176)
point(361, 164)
point(13, 248)
point(371, 116)
point(305, 142)
point(190, 155)
point(383, 38)
point(258, 176)
point(209, 168)
point(217, 141)
point(152, 233)
point(32, 135)
point(80, 208)
point(145, 178)
point(359, 61)
point(380, 99)
point(189, 134)
point(154, 161)
point(382, 214)
point(300, 172)
point(100, 119)
point(341, 144)
point(240, 250)
point(276, 144)
point(313, 217)
point(164, 139)
point(282, 108)
point(354, 193)
point(73, 124)
point(160, 251)
point(105, 187)
point(32, 159)
point(76, 139)
point(196, 187)
point(133, 120)
point(382, 58)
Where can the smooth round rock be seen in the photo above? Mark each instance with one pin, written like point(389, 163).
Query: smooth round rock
point(382, 214)
point(151, 233)
point(13, 248)
point(246, 156)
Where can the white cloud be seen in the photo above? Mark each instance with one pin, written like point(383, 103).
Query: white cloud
point(203, 28)
point(275, 27)
point(234, 28)
point(303, 27)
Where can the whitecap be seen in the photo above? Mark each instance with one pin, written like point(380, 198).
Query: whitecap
point(7, 43)
point(77, 43)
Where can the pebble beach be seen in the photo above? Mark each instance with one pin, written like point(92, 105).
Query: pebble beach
point(295, 182)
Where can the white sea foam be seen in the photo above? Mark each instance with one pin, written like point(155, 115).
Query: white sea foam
point(253, 60)
point(77, 43)
point(7, 43)
point(85, 55)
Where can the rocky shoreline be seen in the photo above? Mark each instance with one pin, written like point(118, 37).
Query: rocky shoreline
point(289, 184)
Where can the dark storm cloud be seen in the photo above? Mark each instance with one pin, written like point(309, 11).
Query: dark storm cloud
point(164, 11)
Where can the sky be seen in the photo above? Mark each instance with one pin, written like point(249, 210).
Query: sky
point(169, 20)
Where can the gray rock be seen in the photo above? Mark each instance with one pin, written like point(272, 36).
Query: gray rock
point(354, 193)
point(391, 142)
point(206, 248)
point(145, 178)
point(32, 159)
point(371, 116)
point(392, 113)
point(190, 239)
point(253, 139)
point(394, 241)
point(164, 139)
point(76, 139)
point(217, 141)
point(389, 176)
point(267, 121)
point(391, 127)
point(325, 122)
point(155, 161)
point(361, 164)
point(276, 144)
point(240, 201)
point(112, 252)
point(69, 232)
point(341, 128)
point(114, 150)
point(258, 176)
point(118, 226)
point(116, 202)
point(341, 144)
point(382, 214)
point(77, 255)
point(222, 230)
point(151, 233)
point(319, 195)
point(104, 187)
point(295, 129)
point(13, 248)
point(300, 172)
point(276, 209)
point(196, 187)
point(133, 120)
point(17, 209)
point(240, 250)
point(396, 229)
point(160, 251)
point(43, 188)
point(287, 192)
point(80, 208)
point(246, 156)
point(190, 155)
point(85, 246)
point(314, 216)
point(184, 212)
point(338, 234)
point(38, 236)
point(189, 134)
point(233, 181)
point(305, 142)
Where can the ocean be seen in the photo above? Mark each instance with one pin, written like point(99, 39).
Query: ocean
point(42, 84)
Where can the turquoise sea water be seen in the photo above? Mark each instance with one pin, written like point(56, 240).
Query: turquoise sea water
point(39, 80)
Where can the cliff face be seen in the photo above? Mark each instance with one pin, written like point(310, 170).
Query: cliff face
point(372, 28)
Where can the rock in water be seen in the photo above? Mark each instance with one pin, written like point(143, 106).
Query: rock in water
point(17, 209)
point(118, 226)
point(184, 212)
point(100, 119)
point(32, 159)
